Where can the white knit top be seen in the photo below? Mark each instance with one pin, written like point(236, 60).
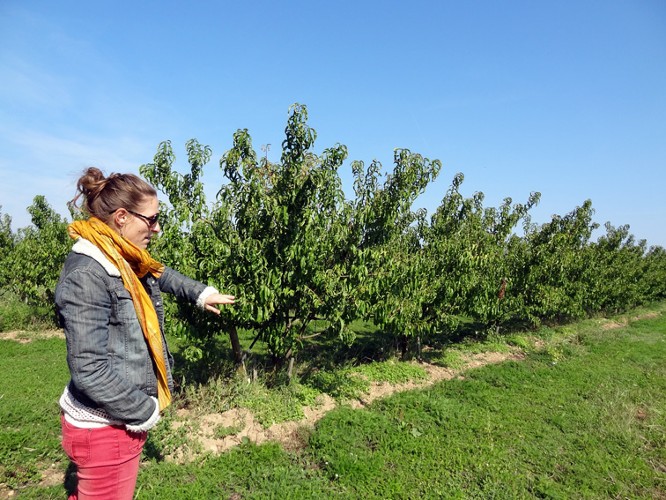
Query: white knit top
point(79, 415)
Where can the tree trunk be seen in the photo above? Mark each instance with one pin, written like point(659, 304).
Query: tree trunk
point(290, 370)
point(235, 345)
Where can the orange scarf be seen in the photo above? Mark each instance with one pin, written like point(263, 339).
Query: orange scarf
point(133, 263)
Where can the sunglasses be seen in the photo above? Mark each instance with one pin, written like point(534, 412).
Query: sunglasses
point(150, 220)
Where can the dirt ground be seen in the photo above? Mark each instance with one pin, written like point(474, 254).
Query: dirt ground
point(24, 337)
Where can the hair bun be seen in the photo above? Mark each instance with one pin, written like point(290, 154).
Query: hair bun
point(92, 182)
point(125, 191)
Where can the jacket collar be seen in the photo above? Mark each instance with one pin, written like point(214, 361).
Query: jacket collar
point(85, 247)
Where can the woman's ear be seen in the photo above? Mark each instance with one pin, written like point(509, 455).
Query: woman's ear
point(119, 218)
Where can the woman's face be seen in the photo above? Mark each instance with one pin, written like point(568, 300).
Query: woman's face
point(137, 228)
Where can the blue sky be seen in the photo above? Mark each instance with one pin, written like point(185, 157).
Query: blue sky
point(566, 98)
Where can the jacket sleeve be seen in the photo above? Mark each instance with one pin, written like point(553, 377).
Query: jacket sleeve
point(183, 287)
point(84, 305)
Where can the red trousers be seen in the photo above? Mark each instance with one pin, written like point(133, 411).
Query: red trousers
point(107, 460)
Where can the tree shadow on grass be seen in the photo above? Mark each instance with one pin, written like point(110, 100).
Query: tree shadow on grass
point(322, 350)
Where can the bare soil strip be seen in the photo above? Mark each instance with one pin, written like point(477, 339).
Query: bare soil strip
point(25, 336)
point(292, 435)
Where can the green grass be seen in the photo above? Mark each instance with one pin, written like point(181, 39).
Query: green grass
point(32, 377)
point(583, 416)
point(589, 425)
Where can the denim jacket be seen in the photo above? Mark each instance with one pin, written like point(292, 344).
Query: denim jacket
point(109, 362)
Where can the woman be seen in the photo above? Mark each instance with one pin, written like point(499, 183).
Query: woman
point(109, 302)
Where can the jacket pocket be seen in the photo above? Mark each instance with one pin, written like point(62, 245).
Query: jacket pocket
point(125, 311)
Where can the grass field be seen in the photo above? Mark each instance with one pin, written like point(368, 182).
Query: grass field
point(583, 415)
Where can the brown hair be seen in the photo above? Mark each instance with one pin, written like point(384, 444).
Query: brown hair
point(102, 196)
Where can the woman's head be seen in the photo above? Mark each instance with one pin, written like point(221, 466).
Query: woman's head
point(125, 202)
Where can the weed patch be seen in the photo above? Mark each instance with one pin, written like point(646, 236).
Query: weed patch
point(17, 315)
point(391, 371)
point(280, 404)
point(341, 384)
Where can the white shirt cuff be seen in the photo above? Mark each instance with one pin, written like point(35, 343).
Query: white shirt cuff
point(148, 424)
point(201, 300)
